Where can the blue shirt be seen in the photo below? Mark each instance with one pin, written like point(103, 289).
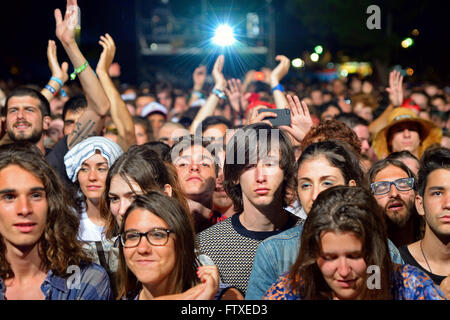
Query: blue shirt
point(92, 284)
point(277, 254)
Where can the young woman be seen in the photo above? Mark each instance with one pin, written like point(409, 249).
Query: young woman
point(137, 171)
point(344, 255)
point(321, 165)
point(87, 164)
point(157, 258)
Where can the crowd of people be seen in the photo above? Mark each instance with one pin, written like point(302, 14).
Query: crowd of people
point(350, 199)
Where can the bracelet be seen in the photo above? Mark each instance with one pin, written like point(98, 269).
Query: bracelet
point(59, 81)
point(278, 87)
point(200, 94)
point(219, 93)
point(78, 70)
point(50, 88)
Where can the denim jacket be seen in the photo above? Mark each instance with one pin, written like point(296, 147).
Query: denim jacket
point(92, 284)
point(276, 255)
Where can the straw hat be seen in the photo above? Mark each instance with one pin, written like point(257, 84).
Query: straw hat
point(429, 132)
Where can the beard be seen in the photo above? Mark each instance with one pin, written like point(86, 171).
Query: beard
point(34, 137)
point(398, 217)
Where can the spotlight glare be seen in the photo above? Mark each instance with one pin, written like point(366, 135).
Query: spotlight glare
point(224, 36)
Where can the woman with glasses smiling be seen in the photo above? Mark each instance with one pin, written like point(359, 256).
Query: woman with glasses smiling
point(156, 253)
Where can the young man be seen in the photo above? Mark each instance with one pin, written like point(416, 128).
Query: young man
point(197, 172)
point(260, 178)
point(40, 257)
point(27, 116)
point(393, 185)
point(432, 253)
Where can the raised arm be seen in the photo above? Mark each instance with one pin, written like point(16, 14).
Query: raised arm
point(395, 91)
point(213, 99)
point(59, 72)
point(199, 77)
point(91, 122)
point(119, 111)
point(275, 77)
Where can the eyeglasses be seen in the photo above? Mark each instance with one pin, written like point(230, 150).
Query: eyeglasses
point(383, 187)
point(156, 237)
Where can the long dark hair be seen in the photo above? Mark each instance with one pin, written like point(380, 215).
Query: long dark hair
point(340, 155)
point(59, 246)
point(246, 147)
point(148, 171)
point(345, 209)
point(168, 209)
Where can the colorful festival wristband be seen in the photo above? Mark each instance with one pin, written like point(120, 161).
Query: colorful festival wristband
point(78, 70)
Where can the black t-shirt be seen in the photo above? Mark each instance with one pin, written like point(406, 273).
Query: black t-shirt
point(409, 259)
point(56, 159)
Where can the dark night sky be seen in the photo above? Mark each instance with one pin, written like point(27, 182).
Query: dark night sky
point(27, 25)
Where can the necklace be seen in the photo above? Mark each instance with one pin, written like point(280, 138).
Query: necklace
point(421, 248)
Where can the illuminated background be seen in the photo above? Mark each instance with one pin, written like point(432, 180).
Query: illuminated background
point(168, 39)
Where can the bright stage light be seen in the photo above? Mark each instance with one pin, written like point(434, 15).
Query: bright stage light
point(224, 36)
point(298, 63)
point(314, 57)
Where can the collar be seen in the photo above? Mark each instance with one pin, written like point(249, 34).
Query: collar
point(51, 280)
point(56, 282)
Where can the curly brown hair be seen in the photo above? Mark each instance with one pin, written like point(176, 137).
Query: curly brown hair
point(58, 247)
point(332, 130)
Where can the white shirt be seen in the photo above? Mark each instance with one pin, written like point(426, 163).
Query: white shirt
point(89, 231)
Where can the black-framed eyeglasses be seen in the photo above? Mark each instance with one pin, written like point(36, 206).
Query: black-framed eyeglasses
point(156, 237)
point(383, 187)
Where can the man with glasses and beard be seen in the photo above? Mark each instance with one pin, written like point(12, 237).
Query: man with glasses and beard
point(393, 185)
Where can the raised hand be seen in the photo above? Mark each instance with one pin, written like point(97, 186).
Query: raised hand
point(65, 28)
point(395, 88)
point(107, 56)
point(280, 70)
point(301, 121)
point(58, 71)
point(199, 77)
point(219, 79)
point(235, 95)
point(254, 117)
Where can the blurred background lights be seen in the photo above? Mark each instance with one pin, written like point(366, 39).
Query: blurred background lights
point(224, 36)
point(298, 63)
point(415, 32)
point(409, 71)
point(344, 73)
point(314, 57)
point(318, 49)
point(408, 42)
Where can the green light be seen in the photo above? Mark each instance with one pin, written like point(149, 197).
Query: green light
point(408, 42)
point(318, 49)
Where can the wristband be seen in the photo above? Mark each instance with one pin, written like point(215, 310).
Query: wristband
point(57, 80)
point(278, 87)
point(219, 93)
point(78, 70)
point(50, 88)
point(200, 94)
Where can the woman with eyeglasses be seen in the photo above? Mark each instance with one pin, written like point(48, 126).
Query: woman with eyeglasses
point(156, 253)
point(344, 255)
